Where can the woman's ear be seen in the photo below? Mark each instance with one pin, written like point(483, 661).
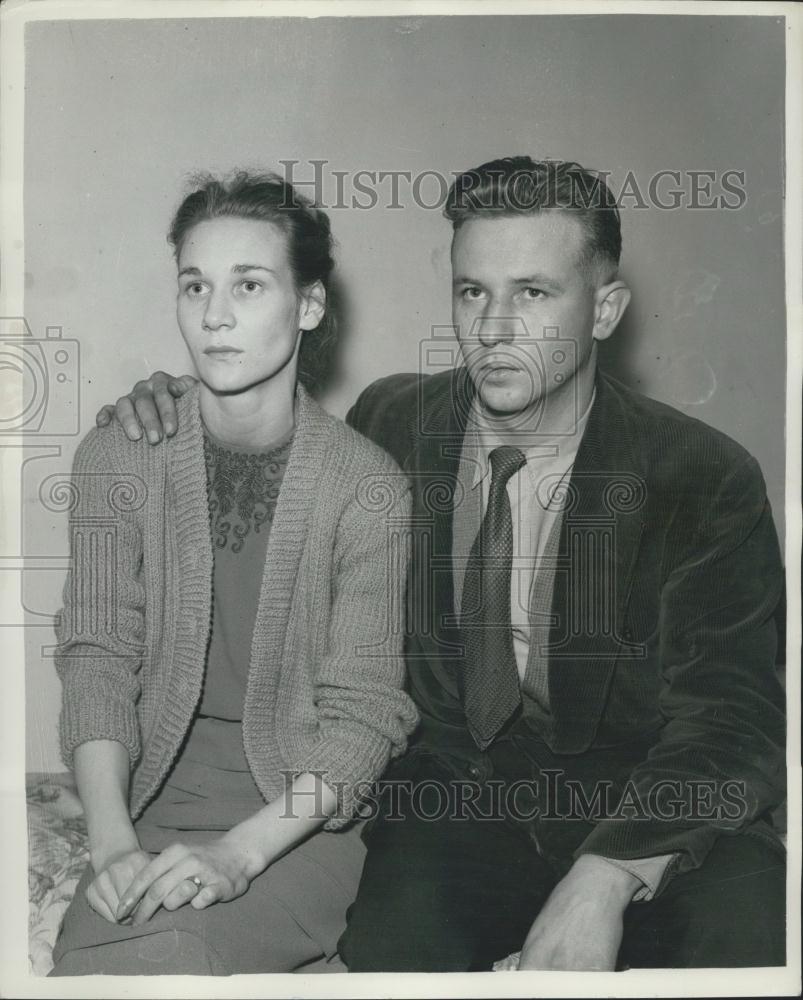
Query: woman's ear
point(313, 306)
point(610, 302)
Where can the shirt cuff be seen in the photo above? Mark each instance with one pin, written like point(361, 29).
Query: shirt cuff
point(649, 871)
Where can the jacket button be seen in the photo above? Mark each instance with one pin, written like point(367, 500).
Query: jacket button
point(474, 771)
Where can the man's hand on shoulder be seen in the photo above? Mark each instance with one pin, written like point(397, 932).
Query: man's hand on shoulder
point(580, 925)
point(150, 406)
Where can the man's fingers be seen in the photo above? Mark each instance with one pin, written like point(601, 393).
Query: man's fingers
point(166, 405)
point(156, 380)
point(104, 415)
point(124, 411)
point(148, 416)
point(150, 406)
point(178, 386)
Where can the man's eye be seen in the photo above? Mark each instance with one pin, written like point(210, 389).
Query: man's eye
point(195, 288)
point(471, 292)
point(534, 293)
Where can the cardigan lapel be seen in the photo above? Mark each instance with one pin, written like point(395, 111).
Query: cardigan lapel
point(187, 496)
point(288, 535)
point(600, 535)
point(186, 474)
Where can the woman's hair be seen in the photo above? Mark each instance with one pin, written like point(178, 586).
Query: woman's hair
point(268, 198)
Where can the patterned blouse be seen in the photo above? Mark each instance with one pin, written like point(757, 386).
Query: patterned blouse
point(243, 487)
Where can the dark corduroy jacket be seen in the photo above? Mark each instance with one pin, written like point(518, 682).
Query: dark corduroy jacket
point(668, 675)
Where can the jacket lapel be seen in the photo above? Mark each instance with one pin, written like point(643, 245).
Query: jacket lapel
point(599, 540)
point(432, 467)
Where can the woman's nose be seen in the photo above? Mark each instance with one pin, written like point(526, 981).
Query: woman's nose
point(218, 313)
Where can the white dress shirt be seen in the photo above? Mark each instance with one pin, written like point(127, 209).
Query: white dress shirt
point(535, 493)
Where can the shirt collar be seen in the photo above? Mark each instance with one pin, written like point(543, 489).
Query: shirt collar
point(559, 450)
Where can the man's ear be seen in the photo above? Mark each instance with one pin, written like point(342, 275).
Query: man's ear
point(610, 302)
point(313, 306)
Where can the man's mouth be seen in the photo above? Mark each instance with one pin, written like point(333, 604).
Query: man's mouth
point(498, 367)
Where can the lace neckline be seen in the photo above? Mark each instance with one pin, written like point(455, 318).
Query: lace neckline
point(243, 487)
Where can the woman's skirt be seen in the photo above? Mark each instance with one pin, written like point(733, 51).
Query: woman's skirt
point(288, 920)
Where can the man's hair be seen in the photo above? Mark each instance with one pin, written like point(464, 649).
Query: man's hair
point(519, 185)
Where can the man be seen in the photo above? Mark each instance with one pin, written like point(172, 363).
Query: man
point(592, 650)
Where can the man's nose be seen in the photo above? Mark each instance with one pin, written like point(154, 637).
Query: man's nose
point(494, 328)
point(218, 312)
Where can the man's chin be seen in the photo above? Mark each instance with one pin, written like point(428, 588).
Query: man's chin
point(501, 405)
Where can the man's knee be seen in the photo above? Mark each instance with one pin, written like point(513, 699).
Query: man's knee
point(402, 930)
point(729, 912)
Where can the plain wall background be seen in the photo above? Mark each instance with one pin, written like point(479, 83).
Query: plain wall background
point(118, 113)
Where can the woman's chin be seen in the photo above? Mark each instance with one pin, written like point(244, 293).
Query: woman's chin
point(225, 386)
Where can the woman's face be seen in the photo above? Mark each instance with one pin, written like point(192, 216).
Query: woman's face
point(238, 307)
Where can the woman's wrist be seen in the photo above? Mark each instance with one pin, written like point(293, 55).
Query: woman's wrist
point(110, 845)
point(248, 842)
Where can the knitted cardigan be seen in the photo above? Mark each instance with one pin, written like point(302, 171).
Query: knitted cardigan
point(325, 682)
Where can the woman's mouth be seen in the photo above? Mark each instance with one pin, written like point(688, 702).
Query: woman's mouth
point(223, 353)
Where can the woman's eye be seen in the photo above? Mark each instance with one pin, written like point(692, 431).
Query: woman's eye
point(195, 288)
point(250, 287)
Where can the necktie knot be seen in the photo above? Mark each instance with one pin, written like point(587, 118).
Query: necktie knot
point(505, 462)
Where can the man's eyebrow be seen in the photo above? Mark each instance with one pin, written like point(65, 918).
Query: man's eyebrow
point(189, 270)
point(529, 279)
point(537, 279)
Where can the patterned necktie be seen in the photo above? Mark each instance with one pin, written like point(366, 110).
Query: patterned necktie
point(490, 680)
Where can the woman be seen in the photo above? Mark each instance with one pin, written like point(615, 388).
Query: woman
point(231, 683)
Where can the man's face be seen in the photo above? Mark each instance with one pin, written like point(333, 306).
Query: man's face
point(518, 287)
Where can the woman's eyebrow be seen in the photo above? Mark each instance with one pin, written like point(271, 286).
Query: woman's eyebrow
point(239, 268)
point(235, 269)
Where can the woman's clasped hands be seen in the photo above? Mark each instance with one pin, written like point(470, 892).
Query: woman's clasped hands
point(135, 885)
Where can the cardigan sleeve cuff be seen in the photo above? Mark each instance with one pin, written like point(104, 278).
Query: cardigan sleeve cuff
point(93, 710)
point(349, 771)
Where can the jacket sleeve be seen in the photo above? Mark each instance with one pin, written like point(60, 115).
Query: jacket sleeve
point(718, 764)
point(100, 629)
point(364, 715)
